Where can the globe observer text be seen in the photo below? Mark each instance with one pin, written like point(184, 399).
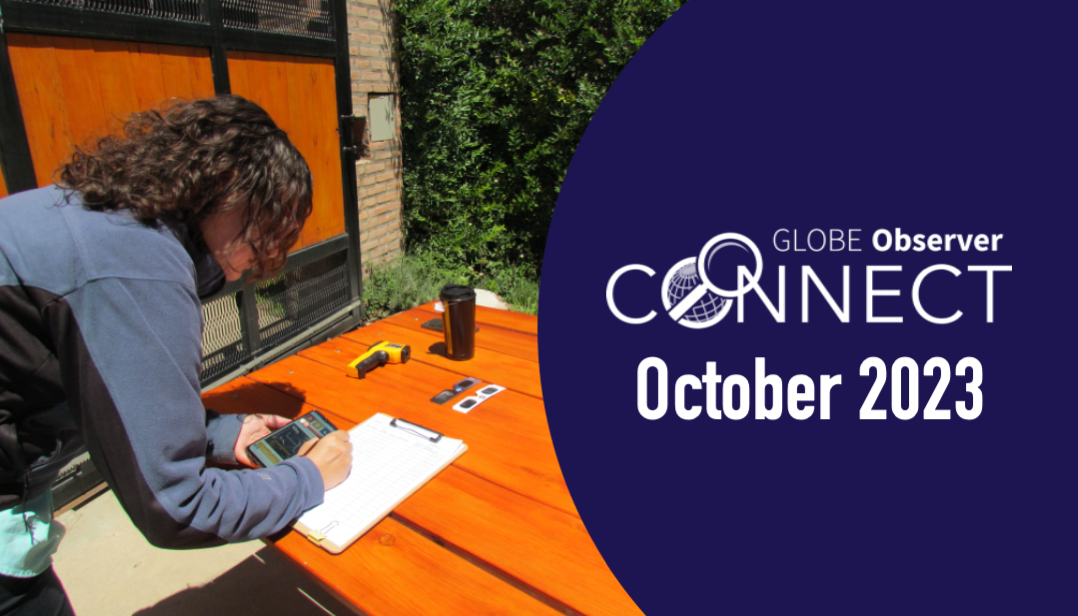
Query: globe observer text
point(883, 240)
point(805, 397)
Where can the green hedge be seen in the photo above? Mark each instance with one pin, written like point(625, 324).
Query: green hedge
point(495, 96)
point(414, 279)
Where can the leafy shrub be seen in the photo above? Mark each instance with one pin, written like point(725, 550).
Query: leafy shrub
point(407, 282)
point(518, 286)
point(415, 279)
point(495, 96)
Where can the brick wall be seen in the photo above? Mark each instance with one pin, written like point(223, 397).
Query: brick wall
point(378, 172)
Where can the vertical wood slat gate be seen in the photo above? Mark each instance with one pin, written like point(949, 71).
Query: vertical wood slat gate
point(72, 70)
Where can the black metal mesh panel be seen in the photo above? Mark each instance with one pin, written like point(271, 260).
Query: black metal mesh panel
point(301, 297)
point(178, 10)
point(309, 18)
point(222, 337)
point(286, 306)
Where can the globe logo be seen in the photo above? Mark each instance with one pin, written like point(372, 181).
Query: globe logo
point(689, 295)
point(684, 280)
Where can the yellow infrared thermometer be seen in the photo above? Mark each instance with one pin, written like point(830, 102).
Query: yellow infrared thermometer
point(379, 355)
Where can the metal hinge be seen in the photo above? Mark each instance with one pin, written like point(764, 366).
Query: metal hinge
point(356, 126)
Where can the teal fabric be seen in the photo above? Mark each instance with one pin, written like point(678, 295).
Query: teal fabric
point(28, 537)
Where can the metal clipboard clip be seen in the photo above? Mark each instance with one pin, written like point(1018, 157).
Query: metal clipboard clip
point(416, 429)
point(318, 536)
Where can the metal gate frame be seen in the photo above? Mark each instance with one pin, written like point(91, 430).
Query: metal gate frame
point(71, 18)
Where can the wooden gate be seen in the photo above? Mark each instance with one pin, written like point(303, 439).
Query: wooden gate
point(71, 71)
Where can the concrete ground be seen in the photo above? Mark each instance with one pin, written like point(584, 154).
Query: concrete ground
point(109, 569)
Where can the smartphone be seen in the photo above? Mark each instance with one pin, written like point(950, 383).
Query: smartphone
point(436, 325)
point(285, 442)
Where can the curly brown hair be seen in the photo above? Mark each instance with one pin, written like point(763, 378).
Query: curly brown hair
point(188, 161)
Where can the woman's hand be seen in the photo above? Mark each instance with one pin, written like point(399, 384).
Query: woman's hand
point(332, 454)
point(255, 427)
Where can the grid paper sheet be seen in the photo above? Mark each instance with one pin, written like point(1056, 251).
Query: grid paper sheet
point(388, 464)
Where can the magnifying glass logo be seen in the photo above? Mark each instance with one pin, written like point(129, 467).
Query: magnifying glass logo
point(704, 263)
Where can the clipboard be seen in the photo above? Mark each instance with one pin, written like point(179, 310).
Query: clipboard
point(392, 459)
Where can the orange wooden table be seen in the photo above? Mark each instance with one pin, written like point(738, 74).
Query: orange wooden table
point(496, 532)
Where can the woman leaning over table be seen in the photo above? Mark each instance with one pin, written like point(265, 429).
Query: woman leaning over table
point(100, 336)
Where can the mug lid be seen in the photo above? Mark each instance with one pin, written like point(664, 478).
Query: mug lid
point(456, 293)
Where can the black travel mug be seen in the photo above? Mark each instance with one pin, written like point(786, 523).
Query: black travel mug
point(458, 321)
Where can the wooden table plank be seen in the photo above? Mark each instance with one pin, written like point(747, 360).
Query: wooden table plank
point(512, 372)
point(245, 395)
point(508, 439)
point(489, 507)
point(419, 382)
point(393, 571)
point(377, 573)
point(489, 522)
point(543, 548)
point(525, 323)
point(508, 341)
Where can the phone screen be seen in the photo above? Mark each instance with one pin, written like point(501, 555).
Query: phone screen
point(285, 443)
